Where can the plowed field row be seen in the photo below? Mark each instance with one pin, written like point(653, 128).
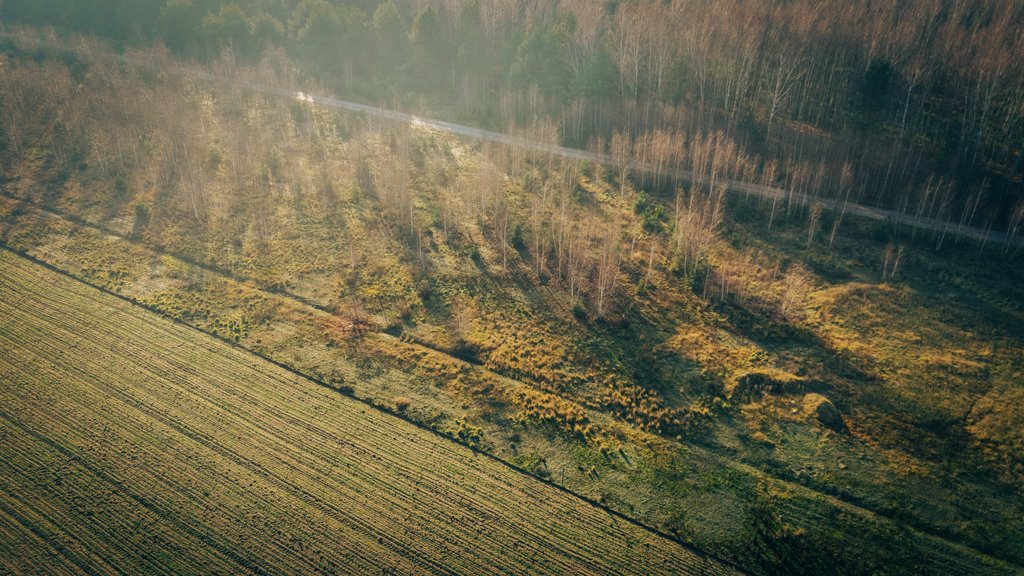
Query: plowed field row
point(132, 444)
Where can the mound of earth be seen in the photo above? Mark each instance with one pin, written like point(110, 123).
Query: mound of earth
point(824, 411)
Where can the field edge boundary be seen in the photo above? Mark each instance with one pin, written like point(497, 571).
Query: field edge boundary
point(706, 557)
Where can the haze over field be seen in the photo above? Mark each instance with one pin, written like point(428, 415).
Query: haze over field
point(514, 286)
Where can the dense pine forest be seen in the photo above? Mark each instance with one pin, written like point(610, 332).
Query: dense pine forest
point(913, 106)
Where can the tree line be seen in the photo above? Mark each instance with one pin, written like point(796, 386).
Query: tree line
point(911, 105)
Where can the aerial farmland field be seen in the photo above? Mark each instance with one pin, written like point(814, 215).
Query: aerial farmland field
point(134, 444)
point(512, 286)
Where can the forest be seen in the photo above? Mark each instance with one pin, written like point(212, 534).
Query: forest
point(915, 106)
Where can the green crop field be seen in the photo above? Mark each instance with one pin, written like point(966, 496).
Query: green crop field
point(133, 444)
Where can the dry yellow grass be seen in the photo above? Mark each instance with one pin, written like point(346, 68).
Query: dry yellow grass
point(133, 443)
